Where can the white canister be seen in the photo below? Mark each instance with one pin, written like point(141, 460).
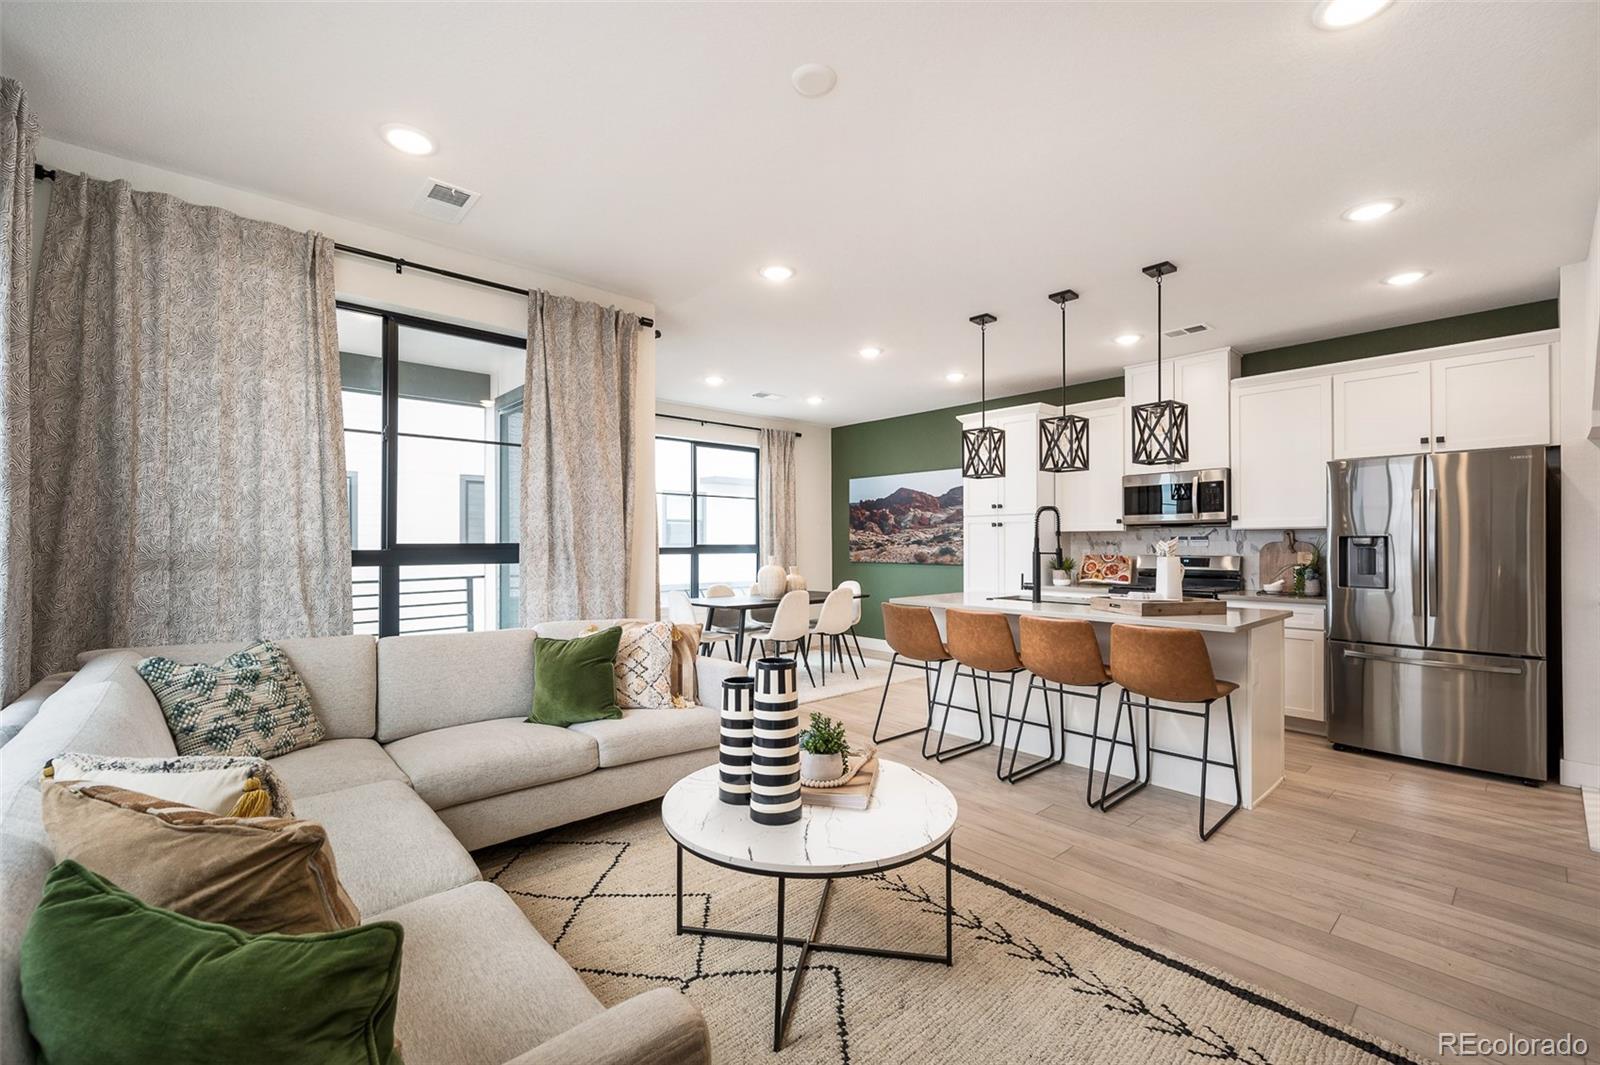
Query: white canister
point(1169, 577)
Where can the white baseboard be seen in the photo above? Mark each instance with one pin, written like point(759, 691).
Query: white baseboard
point(1591, 816)
point(1573, 774)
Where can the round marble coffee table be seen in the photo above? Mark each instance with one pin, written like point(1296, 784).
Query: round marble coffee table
point(911, 816)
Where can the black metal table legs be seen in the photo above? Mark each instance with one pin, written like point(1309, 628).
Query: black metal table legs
point(783, 1000)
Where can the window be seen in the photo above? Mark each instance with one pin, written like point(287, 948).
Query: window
point(433, 434)
point(706, 513)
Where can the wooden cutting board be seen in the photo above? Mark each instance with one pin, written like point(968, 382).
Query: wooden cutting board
point(1278, 560)
point(1157, 608)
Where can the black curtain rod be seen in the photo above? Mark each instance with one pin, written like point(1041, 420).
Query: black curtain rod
point(708, 421)
point(400, 265)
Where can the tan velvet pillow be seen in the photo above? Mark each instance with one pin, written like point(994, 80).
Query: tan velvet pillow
point(685, 651)
point(257, 874)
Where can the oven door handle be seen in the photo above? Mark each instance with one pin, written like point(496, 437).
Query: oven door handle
point(1426, 663)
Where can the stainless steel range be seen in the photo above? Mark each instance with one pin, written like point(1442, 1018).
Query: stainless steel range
point(1204, 576)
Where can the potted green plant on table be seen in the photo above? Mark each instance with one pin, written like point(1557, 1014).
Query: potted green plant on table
point(823, 749)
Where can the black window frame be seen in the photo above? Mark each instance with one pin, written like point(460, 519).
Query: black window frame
point(391, 555)
point(696, 548)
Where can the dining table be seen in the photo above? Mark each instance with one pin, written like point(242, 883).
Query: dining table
point(743, 604)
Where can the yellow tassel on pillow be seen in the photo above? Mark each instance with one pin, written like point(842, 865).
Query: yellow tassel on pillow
point(254, 802)
point(49, 771)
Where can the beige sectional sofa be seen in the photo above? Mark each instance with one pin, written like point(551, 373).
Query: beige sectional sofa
point(428, 755)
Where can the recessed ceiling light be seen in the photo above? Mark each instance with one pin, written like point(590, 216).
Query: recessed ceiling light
point(954, 376)
point(813, 79)
point(714, 380)
point(1128, 340)
point(1370, 212)
point(407, 139)
point(871, 352)
point(776, 272)
point(1405, 277)
point(814, 400)
point(1342, 14)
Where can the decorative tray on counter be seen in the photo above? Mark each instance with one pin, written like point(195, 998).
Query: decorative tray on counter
point(1157, 608)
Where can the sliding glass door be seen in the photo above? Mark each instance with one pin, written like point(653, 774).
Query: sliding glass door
point(433, 433)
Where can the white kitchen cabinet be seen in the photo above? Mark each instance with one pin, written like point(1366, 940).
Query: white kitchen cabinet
point(1024, 488)
point(1382, 411)
point(1200, 380)
point(1303, 671)
point(1091, 500)
point(1492, 399)
point(1282, 439)
point(995, 556)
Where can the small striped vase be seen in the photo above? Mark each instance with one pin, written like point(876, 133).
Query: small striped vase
point(738, 733)
point(775, 755)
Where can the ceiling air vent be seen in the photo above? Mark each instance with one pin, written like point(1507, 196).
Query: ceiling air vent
point(444, 202)
point(765, 395)
point(1186, 331)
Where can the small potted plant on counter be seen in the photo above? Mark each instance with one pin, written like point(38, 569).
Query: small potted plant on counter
point(1308, 573)
point(1061, 572)
point(823, 747)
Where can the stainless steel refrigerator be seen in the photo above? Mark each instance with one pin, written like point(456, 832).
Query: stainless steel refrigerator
point(1436, 608)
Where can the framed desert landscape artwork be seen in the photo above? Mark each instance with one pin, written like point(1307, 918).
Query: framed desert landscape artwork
point(907, 517)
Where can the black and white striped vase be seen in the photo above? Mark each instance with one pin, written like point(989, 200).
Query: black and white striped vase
point(775, 756)
point(738, 733)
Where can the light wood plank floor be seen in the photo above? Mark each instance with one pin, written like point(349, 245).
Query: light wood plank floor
point(1403, 899)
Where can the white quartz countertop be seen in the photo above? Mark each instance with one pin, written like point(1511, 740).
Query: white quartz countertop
point(1074, 604)
point(1318, 601)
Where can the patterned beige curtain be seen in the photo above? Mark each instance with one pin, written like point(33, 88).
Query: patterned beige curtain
point(18, 132)
point(576, 518)
point(188, 448)
point(778, 541)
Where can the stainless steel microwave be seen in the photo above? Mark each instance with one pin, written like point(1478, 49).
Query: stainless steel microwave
point(1191, 497)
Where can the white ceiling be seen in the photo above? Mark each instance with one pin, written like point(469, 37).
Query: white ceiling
point(974, 157)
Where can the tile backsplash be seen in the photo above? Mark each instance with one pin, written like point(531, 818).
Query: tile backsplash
point(1192, 541)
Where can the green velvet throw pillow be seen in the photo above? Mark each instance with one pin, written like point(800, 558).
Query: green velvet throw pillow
point(107, 978)
point(573, 679)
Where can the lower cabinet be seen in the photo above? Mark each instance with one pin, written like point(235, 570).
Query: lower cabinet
point(1303, 667)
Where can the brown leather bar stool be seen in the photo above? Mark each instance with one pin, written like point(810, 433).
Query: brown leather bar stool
point(913, 636)
point(1060, 652)
point(1171, 664)
point(980, 642)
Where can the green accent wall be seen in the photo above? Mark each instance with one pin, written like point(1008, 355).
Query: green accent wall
point(1500, 322)
point(929, 441)
point(909, 444)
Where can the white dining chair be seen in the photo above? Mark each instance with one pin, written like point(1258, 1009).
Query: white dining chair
point(726, 620)
point(855, 616)
point(832, 624)
point(682, 612)
point(790, 625)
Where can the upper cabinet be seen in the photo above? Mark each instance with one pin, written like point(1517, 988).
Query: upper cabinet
point(1201, 380)
point(1480, 399)
point(1091, 500)
point(1024, 487)
point(1492, 399)
point(1382, 411)
point(1282, 441)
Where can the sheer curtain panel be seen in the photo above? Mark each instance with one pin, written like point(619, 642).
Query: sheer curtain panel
point(18, 132)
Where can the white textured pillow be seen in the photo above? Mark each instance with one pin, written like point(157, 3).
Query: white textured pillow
point(643, 666)
point(224, 785)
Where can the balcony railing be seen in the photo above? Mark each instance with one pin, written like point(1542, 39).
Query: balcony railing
point(427, 604)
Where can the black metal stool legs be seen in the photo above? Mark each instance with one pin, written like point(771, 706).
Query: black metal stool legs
point(985, 738)
point(1138, 781)
point(1233, 761)
point(1013, 774)
point(932, 690)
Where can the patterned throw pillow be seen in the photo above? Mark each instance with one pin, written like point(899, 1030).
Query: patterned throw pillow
point(232, 787)
point(643, 666)
point(250, 703)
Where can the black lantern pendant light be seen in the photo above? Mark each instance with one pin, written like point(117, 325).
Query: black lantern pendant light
point(1160, 429)
point(1063, 441)
point(983, 450)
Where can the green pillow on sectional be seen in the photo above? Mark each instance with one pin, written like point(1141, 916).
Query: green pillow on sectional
point(107, 978)
point(573, 679)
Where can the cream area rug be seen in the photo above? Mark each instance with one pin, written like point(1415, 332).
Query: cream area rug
point(1032, 981)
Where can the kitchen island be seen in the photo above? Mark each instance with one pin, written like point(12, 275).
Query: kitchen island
point(1246, 646)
